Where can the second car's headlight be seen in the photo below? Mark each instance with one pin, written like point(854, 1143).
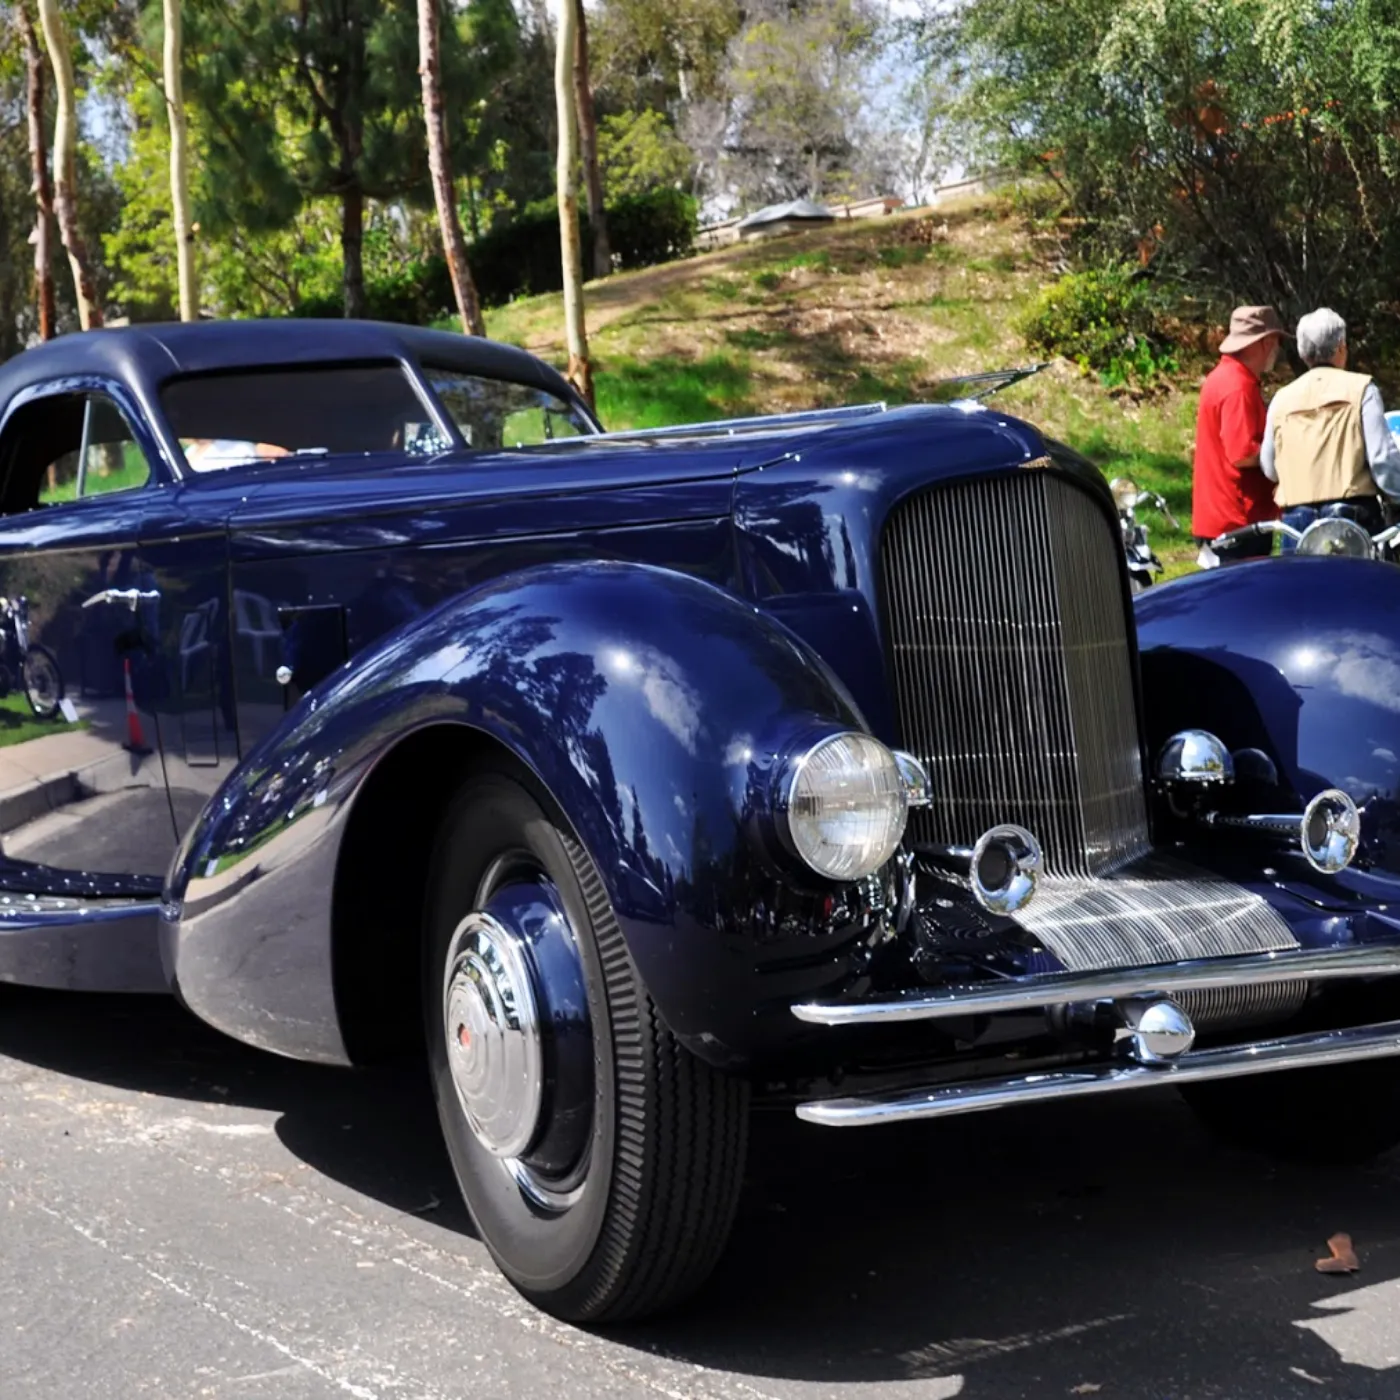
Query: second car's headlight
point(845, 806)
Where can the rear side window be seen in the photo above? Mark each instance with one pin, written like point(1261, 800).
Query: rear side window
point(224, 420)
point(493, 413)
point(66, 447)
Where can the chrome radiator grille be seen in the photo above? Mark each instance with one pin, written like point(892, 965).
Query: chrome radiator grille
point(1009, 652)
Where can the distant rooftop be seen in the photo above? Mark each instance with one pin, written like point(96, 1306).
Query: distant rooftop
point(781, 213)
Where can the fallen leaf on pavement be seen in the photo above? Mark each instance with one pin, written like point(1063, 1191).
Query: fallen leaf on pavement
point(1088, 1388)
point(1343, 1260)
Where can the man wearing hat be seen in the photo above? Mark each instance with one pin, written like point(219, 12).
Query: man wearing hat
point(1228, 489)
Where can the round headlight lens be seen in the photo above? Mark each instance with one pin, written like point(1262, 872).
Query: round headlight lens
point(1124, 490)
point(846, 806)
point(1336, 536)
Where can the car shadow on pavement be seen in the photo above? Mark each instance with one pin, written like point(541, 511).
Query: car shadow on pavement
point(1036, 1252)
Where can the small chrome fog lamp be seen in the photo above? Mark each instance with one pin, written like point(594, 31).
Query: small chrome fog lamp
point(1331, 833)
point(1195, 756)
point(1336, 536)
point(1005, 868)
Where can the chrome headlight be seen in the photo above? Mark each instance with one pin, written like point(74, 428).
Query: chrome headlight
point(845, 806)
point(1125, 491)
point(1336, 536)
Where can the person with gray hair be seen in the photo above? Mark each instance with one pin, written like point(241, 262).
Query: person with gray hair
point(1325, 436)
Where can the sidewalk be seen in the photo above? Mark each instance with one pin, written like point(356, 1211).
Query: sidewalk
point(44, 774)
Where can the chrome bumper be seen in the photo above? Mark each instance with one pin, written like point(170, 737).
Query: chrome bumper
point(1112, 984)
point(1121, 988)
point(1263, 1057)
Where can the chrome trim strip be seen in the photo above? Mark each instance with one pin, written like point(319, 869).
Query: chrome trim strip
point(1229, 1062)
point(728, 427)
point(1061, 988)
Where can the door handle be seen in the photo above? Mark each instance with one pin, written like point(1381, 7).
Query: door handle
point(132, 597)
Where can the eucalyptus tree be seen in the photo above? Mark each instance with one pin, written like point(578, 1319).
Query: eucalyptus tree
point(580, 370)
point(65, 146)
point(454, 245)
point(39, 164)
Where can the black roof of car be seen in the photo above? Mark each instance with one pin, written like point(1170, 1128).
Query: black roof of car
point(153, 353)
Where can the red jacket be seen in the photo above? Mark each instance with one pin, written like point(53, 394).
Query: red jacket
point(1229, 427)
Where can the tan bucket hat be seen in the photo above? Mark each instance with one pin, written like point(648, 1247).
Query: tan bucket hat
point(1249, 324)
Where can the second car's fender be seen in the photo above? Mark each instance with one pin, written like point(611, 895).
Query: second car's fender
point(1295, 664)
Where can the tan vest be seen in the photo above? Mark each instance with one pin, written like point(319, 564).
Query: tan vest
point(1319, 447)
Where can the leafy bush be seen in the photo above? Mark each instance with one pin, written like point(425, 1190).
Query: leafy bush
point(1103, 319)
point(656, 227)
point(521, 258)
point(418, 293)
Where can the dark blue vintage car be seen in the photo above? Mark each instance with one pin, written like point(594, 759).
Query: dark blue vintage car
point(819, 756)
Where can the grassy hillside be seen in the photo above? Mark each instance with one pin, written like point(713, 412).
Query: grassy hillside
point(879, 309)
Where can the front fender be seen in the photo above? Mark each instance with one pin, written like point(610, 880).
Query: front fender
point(1297, 657)
point(637, 697)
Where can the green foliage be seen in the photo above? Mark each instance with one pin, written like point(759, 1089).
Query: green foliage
point(650, 228)
point(661, 54)
point(520, 257)
point(639, 152)
point(1102, 319)
point(1247, 150)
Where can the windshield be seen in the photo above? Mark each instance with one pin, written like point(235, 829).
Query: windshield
point(223, 420)
point(493, 413)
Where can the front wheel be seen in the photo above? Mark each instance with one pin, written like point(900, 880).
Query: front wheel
point(600, 1160)
point(43, 681)
point(1339, 1114)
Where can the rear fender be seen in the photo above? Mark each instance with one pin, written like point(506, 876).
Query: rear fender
point(635, 696)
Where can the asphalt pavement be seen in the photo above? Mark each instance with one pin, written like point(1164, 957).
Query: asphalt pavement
point(183, 1217)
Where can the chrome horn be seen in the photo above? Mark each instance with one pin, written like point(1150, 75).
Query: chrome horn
point(1005, 868)
point(1328, 833)
point(1002, 870)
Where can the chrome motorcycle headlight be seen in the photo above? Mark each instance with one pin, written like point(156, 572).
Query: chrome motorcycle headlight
point(846, 806)
point(1124, 490)
point(1336, 536)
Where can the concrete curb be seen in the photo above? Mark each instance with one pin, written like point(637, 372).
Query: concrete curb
point(27, 802)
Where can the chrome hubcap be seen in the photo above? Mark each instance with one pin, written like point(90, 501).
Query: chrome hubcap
point(492, 1027)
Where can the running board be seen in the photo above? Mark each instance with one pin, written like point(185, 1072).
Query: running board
point(1112, 984)
point(1193, 1067)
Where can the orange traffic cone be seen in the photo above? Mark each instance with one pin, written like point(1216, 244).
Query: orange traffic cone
point(135, 739)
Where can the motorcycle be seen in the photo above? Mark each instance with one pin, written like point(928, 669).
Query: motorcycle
point(1143, 564)
point(34, 666)
point(1336, 536)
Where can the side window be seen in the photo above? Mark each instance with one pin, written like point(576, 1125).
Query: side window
point(68, 446)
point(494, 413)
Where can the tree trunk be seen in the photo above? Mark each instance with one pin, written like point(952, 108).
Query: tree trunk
point(65, 164)
point(454, 246)
point(588, 142)
point(43, 190)
point(580, 372)
point(352, 248)
point(179, 165)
